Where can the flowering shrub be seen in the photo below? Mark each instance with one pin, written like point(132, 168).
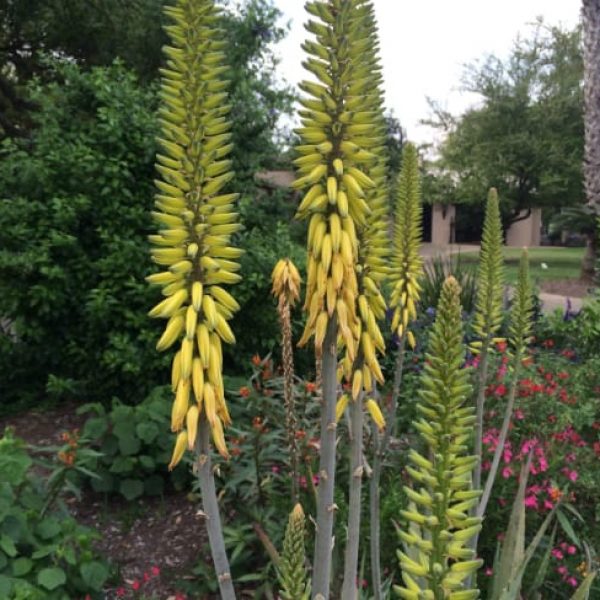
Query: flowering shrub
point(44, 553)
point(557, 420)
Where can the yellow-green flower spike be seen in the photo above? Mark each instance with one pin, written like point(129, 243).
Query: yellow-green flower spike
point(522, 309)
point(436, 560)
point(292, 567)
point(407, 264)
point(196, 219)
point(373, 242)
point(490, 277)
point(337, 138)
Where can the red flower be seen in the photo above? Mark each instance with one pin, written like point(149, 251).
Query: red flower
point(155, 571)
point(120, 592)
point(136, 585)
point(310, 387)
point(256, 360)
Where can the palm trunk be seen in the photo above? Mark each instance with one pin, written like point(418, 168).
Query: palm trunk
point(591, 55)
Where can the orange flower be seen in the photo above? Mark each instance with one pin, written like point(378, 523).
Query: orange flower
point(555, 494)
point(311, 387)
point(256, 360)
point(244, 391)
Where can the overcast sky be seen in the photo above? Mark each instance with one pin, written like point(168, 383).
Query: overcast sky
point(424, 44)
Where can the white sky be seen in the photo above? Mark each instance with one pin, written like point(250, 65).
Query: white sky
point(425, 43)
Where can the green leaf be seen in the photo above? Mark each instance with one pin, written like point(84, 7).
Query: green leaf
point(94, 574)
point(129, 445)
point(567, 527)
point(51, 578)
point(48, 528)
point(21, 566)
point(122, 464)
point(8, 546)
point(43, 552)
point(14, 464)
point(5, 586)
point(147, 462)
point(95, 428)
point(147, 431)
point(131, 488)
point(3, 560)
point(583, 591)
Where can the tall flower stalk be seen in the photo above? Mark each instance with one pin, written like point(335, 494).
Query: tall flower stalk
point(436, 559)
point(286, 288)
point(407, 267)
point(372, 269)
point(519, 336)
point(196, 222)
point(488, 310)
point(333, 161)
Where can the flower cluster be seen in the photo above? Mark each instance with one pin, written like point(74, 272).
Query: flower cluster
point(68, 453)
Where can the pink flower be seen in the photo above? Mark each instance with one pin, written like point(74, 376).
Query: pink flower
point(489, 571)
point(572, 581)
point(136, 585)
point(120, 592)
point(548, 505)
point(562, 570)
point(572, 550)
point(155, 571)
point(507, 472)
point(557, 554)
point(275, 469)
point(543, 464)
point(519, 414)
point(531, 502)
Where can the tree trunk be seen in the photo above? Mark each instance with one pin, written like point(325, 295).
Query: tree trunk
point(591, 55)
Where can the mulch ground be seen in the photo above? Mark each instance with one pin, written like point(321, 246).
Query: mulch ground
point(136, 536)
point(571, 288)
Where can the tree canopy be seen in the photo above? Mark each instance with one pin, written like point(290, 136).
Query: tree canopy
point(525, 137)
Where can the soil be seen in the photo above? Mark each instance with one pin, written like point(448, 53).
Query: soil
point(571, 288)
point(135, 536)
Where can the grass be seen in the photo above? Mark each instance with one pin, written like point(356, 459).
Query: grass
point(560, 263)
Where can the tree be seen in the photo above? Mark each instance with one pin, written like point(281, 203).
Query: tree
point(591, 165)
point(97, 32)
point(525, 137)
point(75, 196)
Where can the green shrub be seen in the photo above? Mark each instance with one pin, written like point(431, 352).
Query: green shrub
point(74, 212)
point(44, 554)
point(135, 445)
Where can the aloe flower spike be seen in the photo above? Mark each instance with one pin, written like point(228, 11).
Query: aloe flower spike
point(436, 559)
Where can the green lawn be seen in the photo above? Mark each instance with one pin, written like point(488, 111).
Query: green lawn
point(561, 263)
